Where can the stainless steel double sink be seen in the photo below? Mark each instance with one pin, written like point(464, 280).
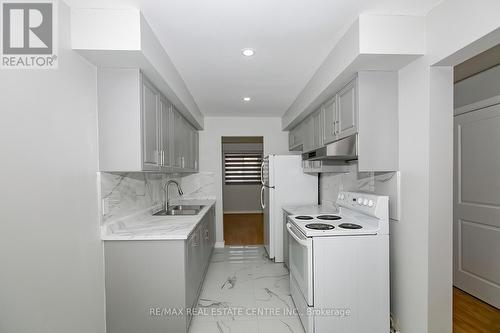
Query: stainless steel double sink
point(180, 210)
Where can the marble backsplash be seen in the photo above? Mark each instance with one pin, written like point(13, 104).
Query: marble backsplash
point(199, 186)
point(124, 194)
point(382, 183)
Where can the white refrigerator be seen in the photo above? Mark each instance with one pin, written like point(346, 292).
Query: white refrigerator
point(283, 184)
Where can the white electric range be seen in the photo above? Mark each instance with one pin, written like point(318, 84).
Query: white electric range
point(339, 266)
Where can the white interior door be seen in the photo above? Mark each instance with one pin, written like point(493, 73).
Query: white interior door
point(476, 224)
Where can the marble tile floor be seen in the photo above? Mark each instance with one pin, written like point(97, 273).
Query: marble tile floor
point(245, 292)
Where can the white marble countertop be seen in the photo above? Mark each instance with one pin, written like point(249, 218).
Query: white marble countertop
point(310, 209)
point(144, 226)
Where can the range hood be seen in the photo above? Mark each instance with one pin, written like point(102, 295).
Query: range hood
point(326, 166)
point(345, 149)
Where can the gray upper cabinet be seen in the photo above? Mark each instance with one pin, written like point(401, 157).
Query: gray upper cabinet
point(367, 106)
point(139, 129)
point(165, 143)
point(317, 134)
point(308, 134)
point(178, 139)
point(340, 114)
point(196, 147)
point(312, 131)
point(185, 148)
point(193, 148)
point(347, 111)
point(150, 111)
point(296, 138)
point(330, 121)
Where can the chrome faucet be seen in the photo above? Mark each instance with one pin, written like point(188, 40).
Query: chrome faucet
point(179, 190)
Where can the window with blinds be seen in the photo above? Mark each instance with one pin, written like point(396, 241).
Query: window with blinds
point(242, 168)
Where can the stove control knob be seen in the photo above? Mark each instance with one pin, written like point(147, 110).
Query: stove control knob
point(360, 201)
point(365, 202)
point(370, 203)
point(342, 196)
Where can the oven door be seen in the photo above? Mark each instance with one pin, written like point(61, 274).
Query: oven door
point(301, 262)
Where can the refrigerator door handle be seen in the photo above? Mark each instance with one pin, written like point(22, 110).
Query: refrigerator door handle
point(262, 173)
point(262, 204)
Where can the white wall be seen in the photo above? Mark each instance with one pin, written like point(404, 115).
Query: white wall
point(421, 248)
point(51, 279)
point(275, 142)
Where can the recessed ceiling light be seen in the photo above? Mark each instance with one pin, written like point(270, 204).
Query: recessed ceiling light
point(248, 52)
point(247, 99)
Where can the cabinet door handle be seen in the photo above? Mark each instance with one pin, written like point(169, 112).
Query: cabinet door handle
point(206, 234)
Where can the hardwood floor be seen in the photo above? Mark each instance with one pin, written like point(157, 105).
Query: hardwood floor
point(471, 315)
point(243, 229)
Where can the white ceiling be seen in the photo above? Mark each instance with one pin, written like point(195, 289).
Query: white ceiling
point(291, 38)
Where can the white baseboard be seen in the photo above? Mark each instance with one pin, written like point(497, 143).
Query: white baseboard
point(244, 212)
point(219, 245)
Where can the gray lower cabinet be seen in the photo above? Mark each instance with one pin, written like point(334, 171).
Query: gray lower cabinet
point(151, 283)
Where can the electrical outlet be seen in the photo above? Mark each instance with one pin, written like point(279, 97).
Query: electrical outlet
point(109, 204)
point(105, 206)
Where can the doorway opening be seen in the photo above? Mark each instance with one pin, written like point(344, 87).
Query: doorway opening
point(241, 184)
point(476, 203)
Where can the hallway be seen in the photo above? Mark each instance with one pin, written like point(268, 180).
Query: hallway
point(244, 292)
point(244, 229)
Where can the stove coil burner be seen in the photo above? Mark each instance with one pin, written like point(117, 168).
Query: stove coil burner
point(328, 217)
point(319, 226)
point(350, 226)
point(303, 217)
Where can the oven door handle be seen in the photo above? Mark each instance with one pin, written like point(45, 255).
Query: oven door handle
point(292, 233)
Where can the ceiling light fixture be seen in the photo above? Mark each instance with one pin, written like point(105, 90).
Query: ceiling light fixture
point(248, 52)
point(246, 99)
